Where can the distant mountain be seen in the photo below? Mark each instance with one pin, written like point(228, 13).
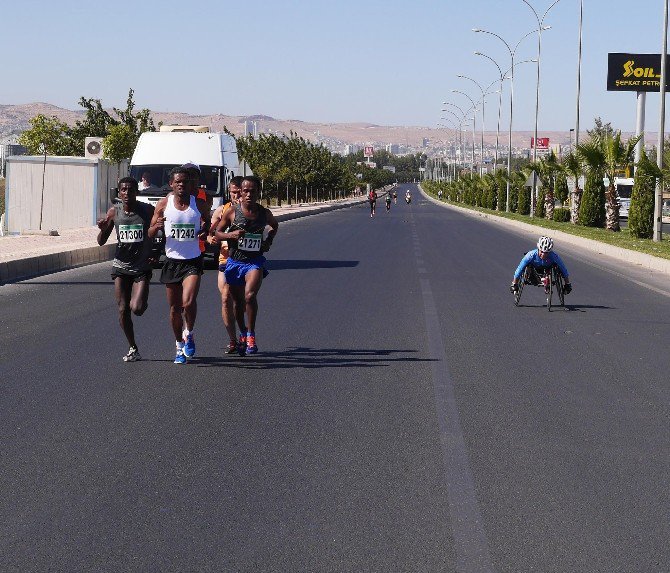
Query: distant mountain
point(14, 119)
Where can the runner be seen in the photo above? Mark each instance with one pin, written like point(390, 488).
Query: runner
point(395, 197)
point(245, 228)
point(227, 311)
point(185, 220)
point(131, 267)
point(388, 201)
point(372, 198)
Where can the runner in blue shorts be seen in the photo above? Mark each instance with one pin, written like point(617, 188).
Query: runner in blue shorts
point(249, 230)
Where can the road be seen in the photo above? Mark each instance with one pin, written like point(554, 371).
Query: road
point(402, 415)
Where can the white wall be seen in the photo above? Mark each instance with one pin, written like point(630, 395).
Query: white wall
point(76, 192)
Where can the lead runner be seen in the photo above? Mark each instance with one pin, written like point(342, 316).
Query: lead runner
point(186, 221)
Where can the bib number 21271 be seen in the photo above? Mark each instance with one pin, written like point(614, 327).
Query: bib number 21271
point(250, 242)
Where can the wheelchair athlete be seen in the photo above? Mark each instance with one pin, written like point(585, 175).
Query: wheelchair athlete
point(540, 260)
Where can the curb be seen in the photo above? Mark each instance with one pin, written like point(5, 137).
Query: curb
point(640, 259)
point(31, 267)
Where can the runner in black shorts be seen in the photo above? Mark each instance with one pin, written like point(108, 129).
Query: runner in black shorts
point(131, 268)
point(186, 221)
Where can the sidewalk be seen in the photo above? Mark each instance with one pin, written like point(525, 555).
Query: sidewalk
point(26, 256)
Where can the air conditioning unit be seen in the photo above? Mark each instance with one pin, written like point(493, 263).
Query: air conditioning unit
point(93, 147)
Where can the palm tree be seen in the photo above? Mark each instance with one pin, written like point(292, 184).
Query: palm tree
point(547, 169)
point(573, 167)
point(607, 154)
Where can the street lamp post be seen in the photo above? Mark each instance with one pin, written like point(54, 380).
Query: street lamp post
point(503, 77)
point(512, 53)
point(540, 28)
point(461, 120)
point(484, 92)
point(658, 203)
point(474, 128)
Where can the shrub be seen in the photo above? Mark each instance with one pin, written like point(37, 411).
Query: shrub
point(641, 211)
point(592, 207)
point(561, 215)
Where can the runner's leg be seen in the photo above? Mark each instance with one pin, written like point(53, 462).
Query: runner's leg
point(252, 284)
point(139, 299)
point(190, 287)
point(174, 298)
point(227, 313)
point(122, 294)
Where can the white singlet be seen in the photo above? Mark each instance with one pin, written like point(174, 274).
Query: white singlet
point(181, 230)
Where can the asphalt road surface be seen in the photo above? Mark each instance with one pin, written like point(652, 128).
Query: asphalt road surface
point(402, 414)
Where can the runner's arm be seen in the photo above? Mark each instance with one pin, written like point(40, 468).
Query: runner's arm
point(522, 265)
point(158, 219)
point(106, 224)
point(561, 265)
point(274, 224)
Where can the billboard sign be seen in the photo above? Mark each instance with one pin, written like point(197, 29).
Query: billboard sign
point(634, 72)
point(542, 143)
point(368, 151)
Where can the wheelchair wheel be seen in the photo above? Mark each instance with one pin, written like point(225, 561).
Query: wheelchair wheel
point(559, 282)
point(522, 281)
point(550, 293)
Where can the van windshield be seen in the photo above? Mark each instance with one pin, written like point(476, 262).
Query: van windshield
point(158, 177)
point(624, 191)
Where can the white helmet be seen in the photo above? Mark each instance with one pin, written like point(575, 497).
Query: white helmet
point(545, 244)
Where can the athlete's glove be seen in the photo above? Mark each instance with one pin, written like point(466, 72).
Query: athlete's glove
point(513, 288)
point(567, 289)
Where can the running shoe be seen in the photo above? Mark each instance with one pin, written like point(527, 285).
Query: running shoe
point(232, 347)
point(251, 344)
point(242, 345)
point(179, 357)
point(132, 356)
point(189, 346)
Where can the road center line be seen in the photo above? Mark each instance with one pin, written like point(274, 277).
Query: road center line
point(471, 543)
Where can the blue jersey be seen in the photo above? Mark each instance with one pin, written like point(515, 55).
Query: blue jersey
point(532, 258)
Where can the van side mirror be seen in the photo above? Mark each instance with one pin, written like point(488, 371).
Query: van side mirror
point(114, 195)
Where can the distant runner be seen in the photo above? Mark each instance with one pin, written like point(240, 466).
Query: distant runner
point(131, 267)
point(372, 198)
point(388, 202)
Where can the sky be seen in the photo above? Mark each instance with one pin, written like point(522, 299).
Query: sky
point(388, 62)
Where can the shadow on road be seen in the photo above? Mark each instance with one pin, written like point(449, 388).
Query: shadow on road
point(569, 307)
point(279, 264)
point(302, 357)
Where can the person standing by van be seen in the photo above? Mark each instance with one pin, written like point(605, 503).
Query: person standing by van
point(131, 268)
point(227, 311)
point(185, 221)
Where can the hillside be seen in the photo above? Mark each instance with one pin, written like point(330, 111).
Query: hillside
point(14, 119)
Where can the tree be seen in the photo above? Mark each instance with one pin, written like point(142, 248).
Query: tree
point(119, 143)
point(600, 129)
point(572, 166)
point(47, 136)
point(641, 212)
point(62, 139)
point(617, 156)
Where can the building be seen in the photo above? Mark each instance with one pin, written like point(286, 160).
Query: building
point(393, 148)
point(351, 149)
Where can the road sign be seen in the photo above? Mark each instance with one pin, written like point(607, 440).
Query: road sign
point(368, 151)
point(542, 143)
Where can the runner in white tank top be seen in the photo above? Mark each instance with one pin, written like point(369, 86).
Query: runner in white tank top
point(181, 230)
point(185, 220)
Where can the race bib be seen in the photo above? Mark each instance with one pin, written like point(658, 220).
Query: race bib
point(250, 242)
point(131, 233)
point(182, 232)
